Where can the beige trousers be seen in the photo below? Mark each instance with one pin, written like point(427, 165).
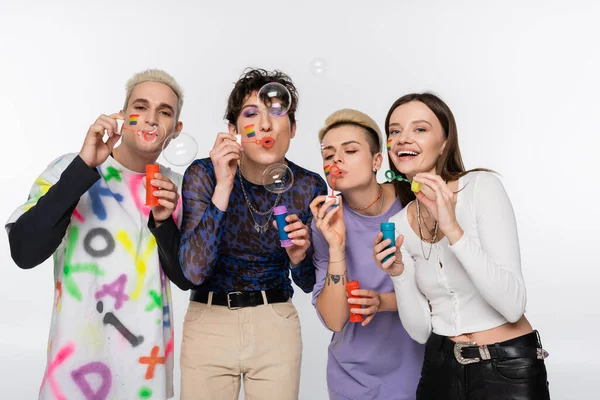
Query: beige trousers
point(263, 344)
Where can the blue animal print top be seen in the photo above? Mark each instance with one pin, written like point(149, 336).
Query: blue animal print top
point(221, 251)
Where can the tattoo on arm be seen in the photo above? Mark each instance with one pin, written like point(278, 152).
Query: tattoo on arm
point(336, 278)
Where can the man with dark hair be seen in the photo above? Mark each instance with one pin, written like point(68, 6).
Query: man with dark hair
point(241, 320)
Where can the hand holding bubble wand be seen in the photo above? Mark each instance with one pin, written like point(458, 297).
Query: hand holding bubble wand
point(178, 149)
point(293, 233)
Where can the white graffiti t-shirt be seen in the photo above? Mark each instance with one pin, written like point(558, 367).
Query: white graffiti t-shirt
point(111, 335)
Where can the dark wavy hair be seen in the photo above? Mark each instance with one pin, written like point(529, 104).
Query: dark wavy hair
point(251, 81)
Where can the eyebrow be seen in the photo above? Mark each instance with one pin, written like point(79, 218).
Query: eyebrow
point(413, 122)
point(161, 105)
point(249, 106)
point(343, 144)
point(420, 121)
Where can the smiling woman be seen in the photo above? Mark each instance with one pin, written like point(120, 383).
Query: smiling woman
point(430, 115)
point(464, 296)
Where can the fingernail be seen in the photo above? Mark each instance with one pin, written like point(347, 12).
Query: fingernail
point(155, 193)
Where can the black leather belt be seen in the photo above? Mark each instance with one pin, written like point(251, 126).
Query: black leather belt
point(466, 354)
point(526, 346)
point(469, 352)
point(235, 300)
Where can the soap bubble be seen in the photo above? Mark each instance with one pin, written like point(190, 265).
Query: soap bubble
point(181, 150)
point(275, 99)
point(278, 178)
point(317, 66)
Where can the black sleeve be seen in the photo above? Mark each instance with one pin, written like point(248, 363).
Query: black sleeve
point(43, 227)
point(167, 238)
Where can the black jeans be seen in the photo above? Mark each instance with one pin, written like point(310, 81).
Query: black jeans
point(444, 378)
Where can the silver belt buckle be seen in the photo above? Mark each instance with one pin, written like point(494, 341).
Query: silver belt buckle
point(458, 346)
point(229, 301)
point(542, 354)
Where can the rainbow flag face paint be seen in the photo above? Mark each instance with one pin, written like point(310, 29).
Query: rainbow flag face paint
point(327, 170)
point(133, 119)
point(249, 129)
point(389, 144)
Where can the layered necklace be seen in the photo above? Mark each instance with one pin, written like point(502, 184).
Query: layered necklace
point(432, 234)
point(269, 213)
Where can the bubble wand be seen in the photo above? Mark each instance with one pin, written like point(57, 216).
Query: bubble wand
point(267, 142)
point(335, 172)
point(391, 176)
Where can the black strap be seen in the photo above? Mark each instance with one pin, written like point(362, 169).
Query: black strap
point(241, 299)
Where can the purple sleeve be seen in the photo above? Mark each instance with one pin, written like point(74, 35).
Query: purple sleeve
point(202, 225)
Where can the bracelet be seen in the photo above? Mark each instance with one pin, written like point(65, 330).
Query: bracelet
point(399, 263)
point(333, 262)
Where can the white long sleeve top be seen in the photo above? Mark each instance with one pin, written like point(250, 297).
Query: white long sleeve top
point(475, 284)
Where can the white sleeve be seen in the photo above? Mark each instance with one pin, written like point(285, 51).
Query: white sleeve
point(494, 262)
point(42, 184)
point(413, 306)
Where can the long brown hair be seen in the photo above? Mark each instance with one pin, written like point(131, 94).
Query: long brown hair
point(450, 164)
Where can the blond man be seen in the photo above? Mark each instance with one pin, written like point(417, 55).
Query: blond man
point(111, 335)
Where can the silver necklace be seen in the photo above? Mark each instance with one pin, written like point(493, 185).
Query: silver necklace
point(433, 238)
point(257, 227)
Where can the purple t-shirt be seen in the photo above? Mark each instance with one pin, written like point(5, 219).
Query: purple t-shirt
point(380, 360)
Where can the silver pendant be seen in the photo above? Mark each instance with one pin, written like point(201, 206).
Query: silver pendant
point(259, 229)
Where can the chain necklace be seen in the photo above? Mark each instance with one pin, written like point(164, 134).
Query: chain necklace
point(257, 227)
point(433, 238)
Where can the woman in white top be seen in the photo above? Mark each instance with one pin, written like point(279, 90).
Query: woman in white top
point(456, 264)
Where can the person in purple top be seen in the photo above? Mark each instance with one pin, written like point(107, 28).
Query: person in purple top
point(376, 358)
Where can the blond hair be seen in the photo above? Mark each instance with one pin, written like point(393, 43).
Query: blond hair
point(348, 116)
point(155, 75)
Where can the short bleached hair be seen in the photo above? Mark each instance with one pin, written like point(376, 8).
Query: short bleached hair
point(155, 75)
point(348, 116)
